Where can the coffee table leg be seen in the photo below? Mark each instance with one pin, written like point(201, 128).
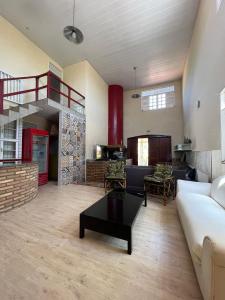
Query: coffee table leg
point(129, 250)
point(145, 196)
point(81, 232)
point(81, 228)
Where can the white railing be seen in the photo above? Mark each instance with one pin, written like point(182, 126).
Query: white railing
point(11, 87)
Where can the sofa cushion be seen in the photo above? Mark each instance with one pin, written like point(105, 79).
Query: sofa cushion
point(218, 190)
point(202, 188)
point(201, 216)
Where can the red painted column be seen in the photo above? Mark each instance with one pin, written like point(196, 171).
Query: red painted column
point(115, 115)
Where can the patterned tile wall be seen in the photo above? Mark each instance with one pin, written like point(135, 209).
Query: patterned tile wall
point(71, 148)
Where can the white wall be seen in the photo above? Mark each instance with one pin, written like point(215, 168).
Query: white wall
point(166, 121)
point(86, 80)
point(204, 77)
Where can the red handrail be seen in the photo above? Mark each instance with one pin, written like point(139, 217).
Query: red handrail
point(49, 88)
point(25, 91)
point(10, 160)
point(69, 87)
point(25, 77)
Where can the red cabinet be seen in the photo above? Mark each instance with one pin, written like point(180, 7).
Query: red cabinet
point(35, 149)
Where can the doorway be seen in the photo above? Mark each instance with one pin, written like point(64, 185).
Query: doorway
point(147, 150)
point(143, 152)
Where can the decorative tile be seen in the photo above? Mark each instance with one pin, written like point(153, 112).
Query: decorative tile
point(72, 148)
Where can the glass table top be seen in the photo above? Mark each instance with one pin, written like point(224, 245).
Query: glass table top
point(117, 206)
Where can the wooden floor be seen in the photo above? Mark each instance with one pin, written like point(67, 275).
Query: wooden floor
point(42, 257)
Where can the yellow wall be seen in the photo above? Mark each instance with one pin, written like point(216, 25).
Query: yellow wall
point(83, 77)
point(76, 76)
point(18, 55)
point(166, 121)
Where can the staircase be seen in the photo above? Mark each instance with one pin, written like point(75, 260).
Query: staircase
point(44, 104)
point(17, 112)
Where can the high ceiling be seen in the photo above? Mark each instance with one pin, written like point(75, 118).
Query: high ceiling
point(153, 35)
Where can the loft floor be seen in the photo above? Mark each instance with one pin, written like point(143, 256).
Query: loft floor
point(42, 257)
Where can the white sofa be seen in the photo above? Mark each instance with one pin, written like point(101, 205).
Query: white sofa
point(201, 208)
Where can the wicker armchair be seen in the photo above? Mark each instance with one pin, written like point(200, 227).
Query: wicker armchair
point(161, 182)
point(115, 176)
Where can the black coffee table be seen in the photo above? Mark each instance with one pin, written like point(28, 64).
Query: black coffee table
point(114, 215)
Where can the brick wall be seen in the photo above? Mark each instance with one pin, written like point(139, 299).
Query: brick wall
point(95, 170)
point(18, 185)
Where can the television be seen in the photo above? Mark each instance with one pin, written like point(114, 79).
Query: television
point(103, 152)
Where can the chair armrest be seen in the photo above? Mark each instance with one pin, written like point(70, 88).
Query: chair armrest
point(194, 187)
point(213, 269)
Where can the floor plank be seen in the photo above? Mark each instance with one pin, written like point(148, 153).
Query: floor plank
point(42, 257)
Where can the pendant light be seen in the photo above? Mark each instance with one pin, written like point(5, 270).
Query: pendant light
point(135, 95)
point(72, 33)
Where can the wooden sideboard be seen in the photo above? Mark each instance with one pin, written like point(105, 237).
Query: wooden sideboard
point(95, 170)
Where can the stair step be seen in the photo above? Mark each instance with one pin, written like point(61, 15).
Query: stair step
point(15, 108)
point(6, 112)
point(17, 112)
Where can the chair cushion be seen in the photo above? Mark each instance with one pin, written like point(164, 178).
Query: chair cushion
point(153, 178)
point(115, 169)
point(116, 176)
point(218, 190)
point(162, 170)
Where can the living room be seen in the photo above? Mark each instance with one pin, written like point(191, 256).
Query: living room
point(123, 103)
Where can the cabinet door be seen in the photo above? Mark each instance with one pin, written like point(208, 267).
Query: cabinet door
point(159, 150)
point(154, 150)
point(165, 149)
point(132, 149)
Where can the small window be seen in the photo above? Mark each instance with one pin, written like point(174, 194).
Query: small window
point(10, 141)
point(218, 4)
point(10, 130)
point(9, 150)
point(160, 98)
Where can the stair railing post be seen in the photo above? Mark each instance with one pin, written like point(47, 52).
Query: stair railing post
point(69, 96)
point(37, 87)
point(48, 84)
point(1, 95)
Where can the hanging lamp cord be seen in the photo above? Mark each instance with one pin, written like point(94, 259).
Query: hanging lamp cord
point(73, 12)
point(135, 77)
